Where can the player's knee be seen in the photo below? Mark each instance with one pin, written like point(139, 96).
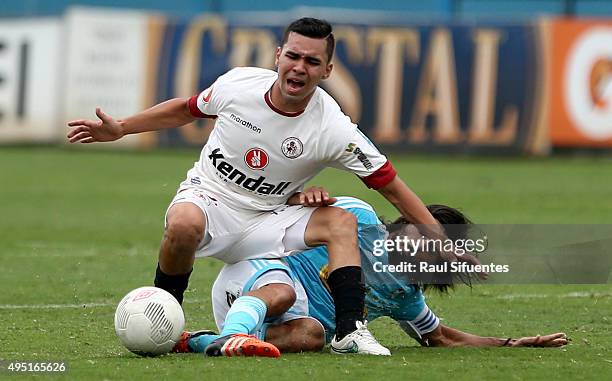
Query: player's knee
point(278, 297)
point(342, 225)
point(331, 224)
point(284, 298)
point(316, 337)
point(312, 337)
point(182, 233)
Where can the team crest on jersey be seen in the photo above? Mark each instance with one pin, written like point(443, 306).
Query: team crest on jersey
point(256, 158)
point(292, 147)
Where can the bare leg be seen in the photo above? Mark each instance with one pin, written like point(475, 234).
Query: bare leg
point(278, 297)
point(183, 234)
point(300, 335)
point(337, 229)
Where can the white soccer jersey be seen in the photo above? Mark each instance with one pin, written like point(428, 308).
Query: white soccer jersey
point(257, 156)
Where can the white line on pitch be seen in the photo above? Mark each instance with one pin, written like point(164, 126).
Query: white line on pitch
point(68, 306)
point(50, 306)
point(107, 304)
point(562, 296)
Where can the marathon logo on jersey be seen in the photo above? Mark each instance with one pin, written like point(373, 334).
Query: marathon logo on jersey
point(352, 147)
point(256, 159)
point(245, 123)
point(229, 173)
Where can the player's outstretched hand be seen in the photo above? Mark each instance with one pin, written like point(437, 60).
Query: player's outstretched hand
point(555, 340)
point(106, 129)
point(313, 196)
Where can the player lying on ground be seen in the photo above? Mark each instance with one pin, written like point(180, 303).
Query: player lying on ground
point(309, 323)
point(274, 131)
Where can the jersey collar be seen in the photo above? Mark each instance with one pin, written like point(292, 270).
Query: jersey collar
point(277, 110)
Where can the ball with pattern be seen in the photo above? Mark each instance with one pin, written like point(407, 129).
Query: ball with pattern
point(149, 321)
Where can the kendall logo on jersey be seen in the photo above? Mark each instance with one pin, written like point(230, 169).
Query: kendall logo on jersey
point(256, 158)
point(229, 173)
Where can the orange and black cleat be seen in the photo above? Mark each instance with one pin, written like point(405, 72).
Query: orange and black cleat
point(241, 345)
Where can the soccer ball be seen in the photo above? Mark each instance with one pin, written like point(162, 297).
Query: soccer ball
point(149, 321)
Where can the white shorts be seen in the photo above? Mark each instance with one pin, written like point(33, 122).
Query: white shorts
point(237, 235)
point(237, 279)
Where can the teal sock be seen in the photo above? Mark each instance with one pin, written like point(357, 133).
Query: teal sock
point(198, 344)
point(261, 332)
point(246, 316)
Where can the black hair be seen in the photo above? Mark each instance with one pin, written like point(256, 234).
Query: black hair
point(313, 28)
point(456, 227)
point(444, 214)
point(454, 222)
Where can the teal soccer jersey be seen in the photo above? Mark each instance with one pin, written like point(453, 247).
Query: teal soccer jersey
point(386, 294)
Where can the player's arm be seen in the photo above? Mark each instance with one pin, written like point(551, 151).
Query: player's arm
point(444, 336)
point(169, 114)
point(407, 202)
point(411, 207)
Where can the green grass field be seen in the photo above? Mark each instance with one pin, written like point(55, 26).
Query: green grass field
point(80, 228)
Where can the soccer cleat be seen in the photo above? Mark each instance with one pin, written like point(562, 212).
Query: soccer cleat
point(360, 341)
point(182, 346)
point(241, 345)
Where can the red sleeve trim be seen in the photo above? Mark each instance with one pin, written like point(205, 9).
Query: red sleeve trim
point(383, 176)
point(195, 111)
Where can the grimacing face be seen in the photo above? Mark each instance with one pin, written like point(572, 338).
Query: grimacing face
point(302, 63)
